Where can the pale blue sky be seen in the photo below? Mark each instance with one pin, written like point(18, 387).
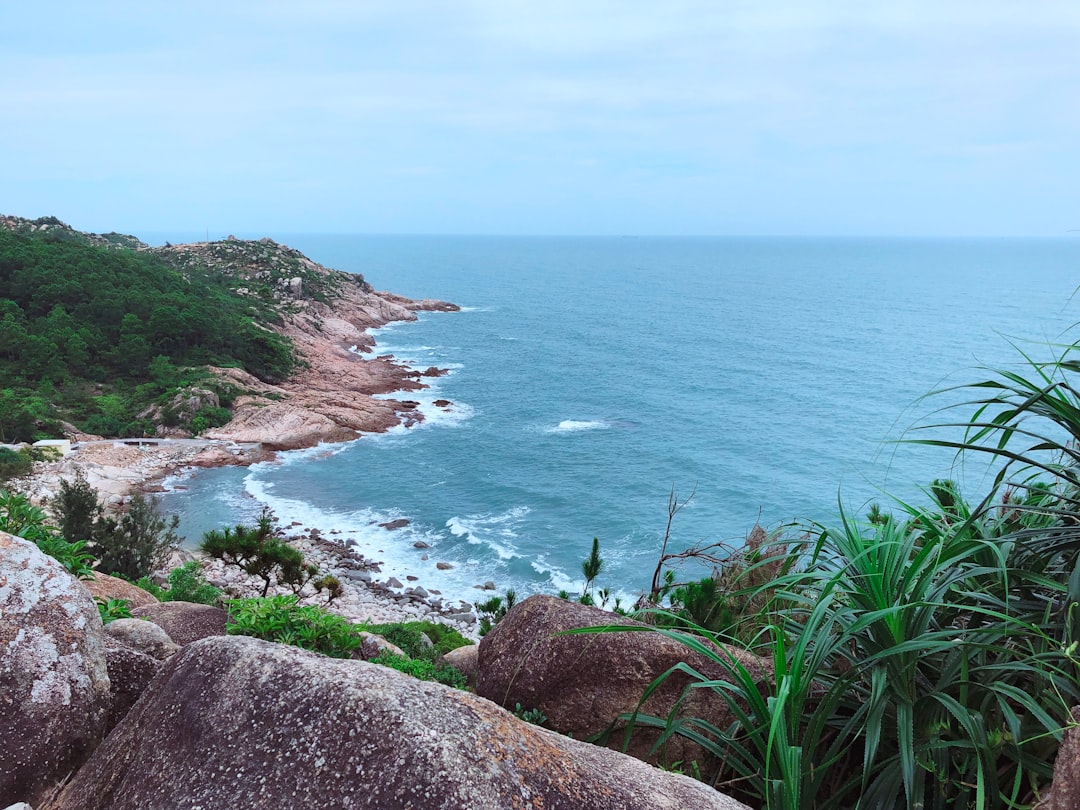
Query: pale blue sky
point(830, 117)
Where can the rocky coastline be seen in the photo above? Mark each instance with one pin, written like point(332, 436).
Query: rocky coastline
point(338, 393)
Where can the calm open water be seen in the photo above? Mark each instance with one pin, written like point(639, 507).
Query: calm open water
point(589, 376)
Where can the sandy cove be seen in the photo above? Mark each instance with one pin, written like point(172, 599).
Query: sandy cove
point(332, 397)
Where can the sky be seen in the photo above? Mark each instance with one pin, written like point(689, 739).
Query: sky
point(606, 117)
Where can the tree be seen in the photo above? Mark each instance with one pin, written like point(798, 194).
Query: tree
point(77, 509)
point(258, 552)
point(137, 544)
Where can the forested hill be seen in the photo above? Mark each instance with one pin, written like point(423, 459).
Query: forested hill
point(95, 329)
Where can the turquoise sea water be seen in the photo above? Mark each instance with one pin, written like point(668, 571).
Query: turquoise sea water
point(590, 376)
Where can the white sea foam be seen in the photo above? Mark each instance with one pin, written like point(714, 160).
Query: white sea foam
point(361, 529)
point(576, 426)
point(494, 531)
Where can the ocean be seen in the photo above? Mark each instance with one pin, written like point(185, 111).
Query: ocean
point(590, 377)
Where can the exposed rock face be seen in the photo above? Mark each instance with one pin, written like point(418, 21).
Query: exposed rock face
point(55, 687)
point(130, 671)
point(185, 622)
point(582, 683)
point(108, 587)
point(238, 722)
point(1064, 793)
point(143, 636)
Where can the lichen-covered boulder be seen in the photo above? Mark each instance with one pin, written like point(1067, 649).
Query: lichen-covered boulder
point(104, 586)
point(130, 672)
point(238, 722)
point(144, 636)
point(185, 622)
point(583, 683)
point(54, 686)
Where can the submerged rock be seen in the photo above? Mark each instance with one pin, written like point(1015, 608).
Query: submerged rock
point(238, 722)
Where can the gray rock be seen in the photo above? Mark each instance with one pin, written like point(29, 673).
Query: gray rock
point(130, 671)
point(238, 722)
point(372, 646)
point(583, 683)
point(144, 636)
point(54, 699)
point(185, 622)
point(443, 566)
point(463, 659)
point(393, 583)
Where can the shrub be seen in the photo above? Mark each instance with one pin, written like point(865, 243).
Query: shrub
point(13, 464)
point(77, 509)
point(281, 619)
point(136, 544)
point(423, 669)
point(185, 584)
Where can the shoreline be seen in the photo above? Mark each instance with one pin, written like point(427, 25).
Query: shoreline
point(341, 391)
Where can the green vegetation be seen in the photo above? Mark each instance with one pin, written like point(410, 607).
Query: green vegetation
point(417, 638)
point(14, 463)
point(95, 335)
point(137, 542)
point(423, 668)
point(283, 620)
point(19, 517)
point(922, 659)
point(259, 552)
point(492, 611)
point(112, 609)
point(185, 584)
point(534, 716)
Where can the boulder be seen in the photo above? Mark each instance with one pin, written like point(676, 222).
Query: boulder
point(108, 587)
point(54, 699)
point(143, 636)
point(372, 646)
point(239, 722)
point(463, 659)
point(583, 683)
point(185, 622)
point(1064, 793)
point(129, 673)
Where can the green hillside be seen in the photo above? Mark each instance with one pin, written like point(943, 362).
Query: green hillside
point(94, 329)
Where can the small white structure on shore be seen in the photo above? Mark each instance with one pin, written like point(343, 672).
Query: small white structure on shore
point(61, 447)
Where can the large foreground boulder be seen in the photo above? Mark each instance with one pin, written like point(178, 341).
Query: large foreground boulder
point(239, 722)
point(54, 686)
point(583, 683)
point(185, 622)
